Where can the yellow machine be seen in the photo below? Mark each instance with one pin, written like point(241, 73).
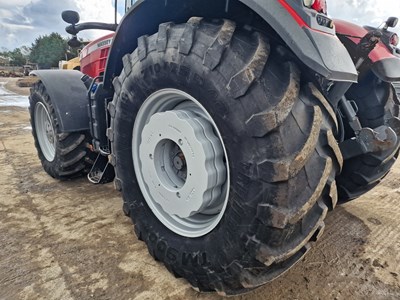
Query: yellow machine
point(72, 64)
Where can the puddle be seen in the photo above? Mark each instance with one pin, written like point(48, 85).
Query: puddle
point(8, 98)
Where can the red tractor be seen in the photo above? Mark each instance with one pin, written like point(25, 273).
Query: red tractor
point(94, 56)
point(231, 127)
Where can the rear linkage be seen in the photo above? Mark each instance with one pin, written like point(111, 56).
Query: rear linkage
point(367, 140)
point(102, 170)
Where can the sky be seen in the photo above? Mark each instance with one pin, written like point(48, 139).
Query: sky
point(21, 21)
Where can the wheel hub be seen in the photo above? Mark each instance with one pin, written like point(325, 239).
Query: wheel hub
point(182, 163)
point(49, 131)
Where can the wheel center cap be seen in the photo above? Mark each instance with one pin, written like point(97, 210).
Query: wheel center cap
point(179, 161)
point(49, 132)
point(182, 163)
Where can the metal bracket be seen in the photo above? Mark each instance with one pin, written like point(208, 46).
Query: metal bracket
point(349, 109)
point(102, 171)
point(336, 92)
point(369, 141)
point(394, 123)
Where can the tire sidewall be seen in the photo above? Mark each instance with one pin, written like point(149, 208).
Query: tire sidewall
point(50, 167)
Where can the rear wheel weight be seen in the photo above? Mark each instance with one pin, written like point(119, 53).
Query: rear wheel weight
point(178, 152)
point(63, 155)
point(279, 167)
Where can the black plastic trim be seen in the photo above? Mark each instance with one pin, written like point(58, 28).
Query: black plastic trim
point(75, 29)
point(387, 69)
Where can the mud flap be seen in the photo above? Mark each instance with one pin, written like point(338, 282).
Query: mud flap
point(68, 95)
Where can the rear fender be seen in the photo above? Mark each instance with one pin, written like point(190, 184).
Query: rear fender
point(68, 96)
point(382, 62)
point(315, 45)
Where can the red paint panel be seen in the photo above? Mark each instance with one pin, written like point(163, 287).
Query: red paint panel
point(380, 52)
point(93, 57)
point(344, 27)
point(320, 6)
point(293, 13)
point(297, 17)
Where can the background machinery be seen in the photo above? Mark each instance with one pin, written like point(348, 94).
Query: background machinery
point(72, 64)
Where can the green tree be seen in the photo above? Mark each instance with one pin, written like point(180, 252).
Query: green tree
point(17, 58)
point(48, 50)
point(25, 50)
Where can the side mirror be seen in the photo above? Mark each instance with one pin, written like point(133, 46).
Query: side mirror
point(392, 22)
point(70, 16)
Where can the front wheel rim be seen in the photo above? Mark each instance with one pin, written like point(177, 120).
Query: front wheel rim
point(181, 163)
point(45, 132)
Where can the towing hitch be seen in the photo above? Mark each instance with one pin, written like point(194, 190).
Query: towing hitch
point(366, 140)
point(369, 141)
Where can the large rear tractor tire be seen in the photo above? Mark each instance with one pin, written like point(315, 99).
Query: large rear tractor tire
point(63, 155)
point(226, 163)
point(378, 105)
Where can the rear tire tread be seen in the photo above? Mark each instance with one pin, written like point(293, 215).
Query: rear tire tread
point(304, 221)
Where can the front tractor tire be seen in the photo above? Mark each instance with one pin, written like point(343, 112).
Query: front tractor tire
point(63, 155)
point(226, 163)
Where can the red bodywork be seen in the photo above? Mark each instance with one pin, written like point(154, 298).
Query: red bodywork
point(320, 6)
point(355, 33)
point(94, 56)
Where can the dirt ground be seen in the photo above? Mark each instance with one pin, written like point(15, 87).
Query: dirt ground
point(70, 240)
point(12, 86)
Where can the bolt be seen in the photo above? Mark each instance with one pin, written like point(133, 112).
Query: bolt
point(178, 194)
point(178, 163)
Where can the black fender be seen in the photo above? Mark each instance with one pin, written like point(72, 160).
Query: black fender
point(68, 96)
point(387, 69)
point(315, 45)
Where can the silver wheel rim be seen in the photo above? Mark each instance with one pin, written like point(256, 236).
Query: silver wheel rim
point(45, 132)
point(181, 163)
